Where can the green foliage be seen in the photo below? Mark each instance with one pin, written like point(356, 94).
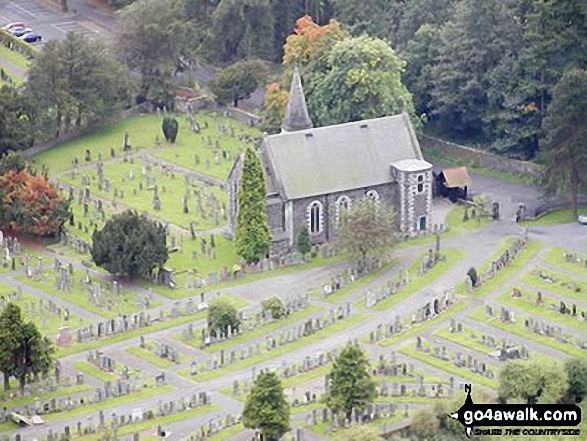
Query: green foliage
point(520, 379)
point(576, 369)
point(266, 408)
point(424, 423)
point(24, 352)
point(252, 236)
point(275, 305)
point(237, 81)
point(222, 314)
point(130, 244)
point(360, 432)
point(13, 161)
point(15, 118)
point(170, 128)
point(363, 80)
point(75, 82)
point(303, 243)
point(472, 274)
point(565, 145)
point(366, 227)
point(350, 383)
point(152, 37)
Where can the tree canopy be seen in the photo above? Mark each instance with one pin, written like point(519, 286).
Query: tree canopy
point(221, 315)
point(237, 81)
point(267, 408)
point(521, 379)
point(252, 236)
point(130, 244)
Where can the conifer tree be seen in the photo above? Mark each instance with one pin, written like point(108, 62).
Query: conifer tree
point(266, 408)
point(351, 386)
point(252, 236)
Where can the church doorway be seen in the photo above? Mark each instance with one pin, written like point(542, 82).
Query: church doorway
point(422, 223)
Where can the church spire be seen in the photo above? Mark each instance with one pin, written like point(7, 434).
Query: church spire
point(296, 113)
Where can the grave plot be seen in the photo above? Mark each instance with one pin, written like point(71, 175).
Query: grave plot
point(254, 324)
point(353, 278)
point(569, 261)
point(531, 328)
point(104, 367)
point(557, 283)
point(539, 305)
point(425, 270)
point(157, 353)
point(88, 214)
point(386, 334)
point(164, 194)
point(454, 362)
point(211, 148)
point(219, 428)
point(105, 298)
point(47, 315)
point(314, 329)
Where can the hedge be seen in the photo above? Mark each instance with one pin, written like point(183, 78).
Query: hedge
point(13, 43)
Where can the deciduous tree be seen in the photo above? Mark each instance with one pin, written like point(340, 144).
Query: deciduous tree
point(252, 236)
point(366, 227)
point(273, 108)
point(576, 369)
point(221, 315)
point(130, 244)
point(565, 143)
point(351, 386)
point(237, 81)
point(275, 305)
point(30, 204)
point(360, 432)
point(520, 379)
point(266, 408)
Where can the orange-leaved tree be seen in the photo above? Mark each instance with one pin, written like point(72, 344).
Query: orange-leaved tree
point(30, 204)
point(274, 107)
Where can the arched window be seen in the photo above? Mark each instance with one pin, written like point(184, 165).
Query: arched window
point(315, 217)
point(420, 183)
point(372, 195)
point(343, 204)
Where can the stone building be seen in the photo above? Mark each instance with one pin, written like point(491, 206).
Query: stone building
point(312, 174)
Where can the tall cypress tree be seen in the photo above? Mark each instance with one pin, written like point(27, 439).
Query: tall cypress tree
point(252, 236)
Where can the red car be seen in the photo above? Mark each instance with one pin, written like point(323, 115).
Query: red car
point(15, 24)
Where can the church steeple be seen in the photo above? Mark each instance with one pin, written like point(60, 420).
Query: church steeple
point(296, 113)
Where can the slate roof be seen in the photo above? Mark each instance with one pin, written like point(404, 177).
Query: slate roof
point(296, 113)
point(337, 158)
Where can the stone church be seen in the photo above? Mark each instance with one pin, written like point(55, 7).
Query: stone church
point(313, 174)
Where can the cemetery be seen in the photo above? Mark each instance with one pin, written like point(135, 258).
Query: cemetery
point(123, 343)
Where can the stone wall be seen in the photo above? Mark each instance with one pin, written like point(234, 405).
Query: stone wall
point(479, 157)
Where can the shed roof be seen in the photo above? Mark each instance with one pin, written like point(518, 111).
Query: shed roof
point(456, 177)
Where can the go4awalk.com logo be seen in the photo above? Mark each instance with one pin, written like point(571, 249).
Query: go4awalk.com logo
point(473, 415)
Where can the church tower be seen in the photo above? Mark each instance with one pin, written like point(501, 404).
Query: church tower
point(296, 113)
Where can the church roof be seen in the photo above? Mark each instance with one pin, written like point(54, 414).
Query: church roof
point(341, 157)
point(296, 113)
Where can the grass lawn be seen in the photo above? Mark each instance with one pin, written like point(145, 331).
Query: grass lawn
point(52, 321)
point(150, 357)
point(171, 189)
point(189, 145)
point(317, 262)
point(226, 433)
point(408, 399)
point(250, 335)
point(448, 366)
point(559, 216)
point(417, 282)
point(351, 287)
point(116, 338)
point(281, 350)
point(519, 330)
point(14, 56)
point(558, 287)
point(60, 392)
point(501, 277)
point(78, 295)
point(322, 428)
point(92, 370)
point(555, 257)
point(158, 421)
point(454, 220)
point(419, 327)
point(536, 311)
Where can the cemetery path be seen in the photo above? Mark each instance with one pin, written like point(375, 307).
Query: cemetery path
point(73, 309)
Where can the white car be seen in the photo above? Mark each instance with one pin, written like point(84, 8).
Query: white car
point(582, 218)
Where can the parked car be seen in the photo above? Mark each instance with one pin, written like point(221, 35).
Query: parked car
point(14, 24)
point(31, 37)
point(582, 218)
point(19, 32)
